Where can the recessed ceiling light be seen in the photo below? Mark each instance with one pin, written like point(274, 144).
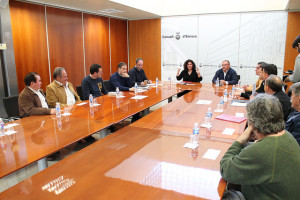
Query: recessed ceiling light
point(110, 10)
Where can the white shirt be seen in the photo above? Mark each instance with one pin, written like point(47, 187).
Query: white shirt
point(41, 97)
point(70, 95)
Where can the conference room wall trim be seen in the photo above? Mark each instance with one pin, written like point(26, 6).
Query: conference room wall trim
point(46, 37)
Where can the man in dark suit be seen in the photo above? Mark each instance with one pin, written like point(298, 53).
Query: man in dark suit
point(226, 75)
point(273, 86)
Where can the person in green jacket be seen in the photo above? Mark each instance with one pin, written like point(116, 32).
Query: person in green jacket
point(270, 167)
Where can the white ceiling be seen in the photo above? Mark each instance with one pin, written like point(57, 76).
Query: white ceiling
point(146, 9)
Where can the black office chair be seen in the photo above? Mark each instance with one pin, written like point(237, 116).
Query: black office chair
point(11, 107)
point(79, 92)
point(106, 85)
point(238, 77)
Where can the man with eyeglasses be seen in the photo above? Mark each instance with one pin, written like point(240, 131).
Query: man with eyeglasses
point(93, 83)
point(226, 75)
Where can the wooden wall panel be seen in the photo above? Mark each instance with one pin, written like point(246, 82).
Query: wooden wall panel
point(145, 42)
point(66, 43)
point(96, 43)
point(30, 42)
point(118, 38)
point(293, 29)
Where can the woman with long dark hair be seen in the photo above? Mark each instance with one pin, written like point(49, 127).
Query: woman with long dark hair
point(190, 72)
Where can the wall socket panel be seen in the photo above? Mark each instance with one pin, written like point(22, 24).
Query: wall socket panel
point(2, 46)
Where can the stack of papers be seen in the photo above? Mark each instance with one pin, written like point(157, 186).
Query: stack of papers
point(231, 118)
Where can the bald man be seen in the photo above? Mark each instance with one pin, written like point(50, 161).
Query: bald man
point(273, 86)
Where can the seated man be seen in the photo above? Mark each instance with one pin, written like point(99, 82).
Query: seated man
point(32, 100)
point(93, 83)
point(258, 71)
point(267, 70)
point(226, 75)
point(273, 86)
point(137, 73)
point(121, 79)
point(60, 90)
point(293, 121)
point(270, 167)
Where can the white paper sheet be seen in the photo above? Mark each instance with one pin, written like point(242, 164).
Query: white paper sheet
point(239, 104)
point(228, 131)
point(65, 114)
point(239, 114)
point(206, 102)
point(10, 132)
point(139, 97)
point(10, 125)
point(190, 145)
point(211, 154)
point(96, 104)
point(80, 104)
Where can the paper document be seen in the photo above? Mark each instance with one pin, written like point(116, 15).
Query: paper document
point(206, 102)
point(228, 131)
point(10, 132)
point(10, 125)
point(80, 104)
point(211, 154)
point(231, 118)
point(239, 114)
point(239, 104)
point(138, 97)
point(96, 104)
point(65, 114)
point(190, 145)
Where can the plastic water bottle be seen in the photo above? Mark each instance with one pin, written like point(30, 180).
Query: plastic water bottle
point(239, 83)
point(233, 88)
point(225, 95)
point(253, 89)
point(1, 126)
point(91, 100)
point(170, 80)
point(222, 101)
point(217, 82)
point(209, 114)
point(135, 89)
point(196, 129)
point(117, 92)
point(156, 83)
point(57, 109)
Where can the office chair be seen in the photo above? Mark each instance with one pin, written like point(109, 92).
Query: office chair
point(11, 107)
point(238, 77)
point(106, 85)
point(79, 92)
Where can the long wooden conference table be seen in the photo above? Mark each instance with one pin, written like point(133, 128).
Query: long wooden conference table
point(144, 160)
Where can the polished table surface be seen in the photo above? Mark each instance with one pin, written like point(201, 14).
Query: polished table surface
point(133, 163)
point(180, 115)
point(39, 136)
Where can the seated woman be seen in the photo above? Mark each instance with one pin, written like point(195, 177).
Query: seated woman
point(270, 167)
point(190, 73)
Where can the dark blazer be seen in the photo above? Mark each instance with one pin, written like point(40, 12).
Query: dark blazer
point(137, 76)
point(231, 76)
point(292, 125)
point(30, 104)
point(285, 103)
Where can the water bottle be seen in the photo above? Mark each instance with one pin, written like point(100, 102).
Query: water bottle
point(1, 126)
point(156, 83)
point(117, 92)
point(91, 100)
point(225, 95)
point(57, 109)
point(209, 114)
point(217, 82)
point(135, 89)
point(253, 89)
point(233, 88)
point(170, 80)
point(222, 101)
point(196, 129)
point(239, 84)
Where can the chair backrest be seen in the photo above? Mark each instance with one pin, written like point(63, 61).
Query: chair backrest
point(79, 92)
point(238, 77)
point(106, 85)
point(11, 106)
